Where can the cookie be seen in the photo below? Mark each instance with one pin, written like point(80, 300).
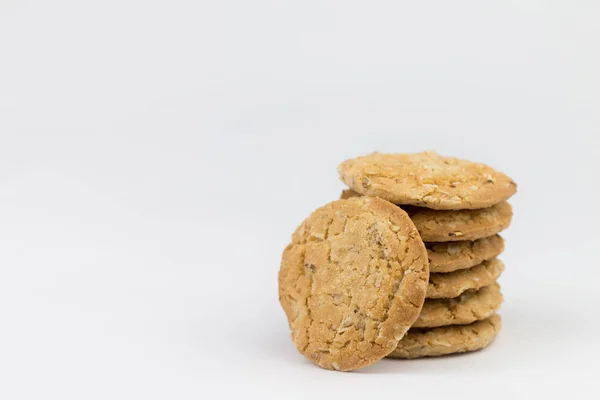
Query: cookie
point(450, 226)
point(471, 306)
point(453, 284)
point(427, 179)
point(455, 225)
point(452, 256)
point(440, 341)
point(352, 282)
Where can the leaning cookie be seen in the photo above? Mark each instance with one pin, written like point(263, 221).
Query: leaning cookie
point(471, 306)
point(443, 340)
point(452, 256)
point(427, 180)
point(453, 284)
point(352, 282)
point(455, 225)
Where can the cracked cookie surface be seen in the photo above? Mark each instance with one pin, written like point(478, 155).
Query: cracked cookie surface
point(471, 306)
point(453, 284)
point(455, 225)
point(452, 256)
point(430, 342)
point(352, 282)
point(427, 179)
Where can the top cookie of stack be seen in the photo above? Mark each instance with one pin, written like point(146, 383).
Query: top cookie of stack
point(427, 180)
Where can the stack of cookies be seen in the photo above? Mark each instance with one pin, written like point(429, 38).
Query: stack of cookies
point(413, 243)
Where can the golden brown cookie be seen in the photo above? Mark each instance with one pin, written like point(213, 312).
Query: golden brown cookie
point(449, 226)
point(443, 340)
point(427, 180)
point(452, 256)
point(352, 281)
point(471, 306)
point(455, 225)
point(453, 284)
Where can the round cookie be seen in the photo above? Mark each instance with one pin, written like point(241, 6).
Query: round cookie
point(450, 226)
point(427, 180)
point(455, 225)
point(352, 282)
point(443, 340)
point(452, 256)
point(469, 307)
point(453, 284)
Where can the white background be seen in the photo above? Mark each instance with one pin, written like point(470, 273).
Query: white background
point(156, 156)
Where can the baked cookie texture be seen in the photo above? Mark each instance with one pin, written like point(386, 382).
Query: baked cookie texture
point(427, 179)
point(449, 226)
point(352, 282)
point(455, 225)
point(471, 306)
point(430, 342)
point(453, 284)
point(452, 256)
